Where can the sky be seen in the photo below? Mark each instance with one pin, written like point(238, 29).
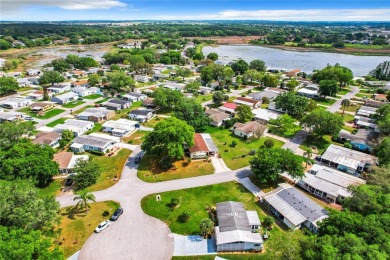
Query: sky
point(276, 10)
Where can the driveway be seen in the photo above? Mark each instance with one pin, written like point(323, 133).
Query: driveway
point(193, 245)
point(136, 235)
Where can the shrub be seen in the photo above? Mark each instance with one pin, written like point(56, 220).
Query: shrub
point(105, 213)
point(184, 217)
point(269, 143)
point(348, 145)
point(233, 144)
point(174, 203)
point(130, 142)
point(268, 221)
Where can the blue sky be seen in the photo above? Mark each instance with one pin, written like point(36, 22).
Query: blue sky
point(304, 10)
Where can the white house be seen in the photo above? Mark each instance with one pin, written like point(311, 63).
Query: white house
point(57, 89)
point(134, 96)
point(82, 91)
point(78, 127)
point(141, 115)
point(175, 86)
point(120, 127)
point(33, 72)
point(263, 116)
point(294, 208)
point(15, 102)
point(10, 116)
point(93, 143)
point(310, 93)
point(65, 98)
point(237, 228)
point(141, 78)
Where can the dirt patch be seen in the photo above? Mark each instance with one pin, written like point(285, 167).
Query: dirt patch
point(229, 39)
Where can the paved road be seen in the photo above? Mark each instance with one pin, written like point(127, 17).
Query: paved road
point(136, 235)
point(300, 137)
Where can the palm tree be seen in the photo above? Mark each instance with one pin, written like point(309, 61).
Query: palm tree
point(84, 197)
point(345, 103)
point(206, 227)
point(308, 154)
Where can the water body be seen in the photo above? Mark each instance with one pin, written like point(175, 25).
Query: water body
point(289, 60)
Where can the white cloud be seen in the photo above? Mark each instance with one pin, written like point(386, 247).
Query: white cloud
point(291, 15)
point(16, 5)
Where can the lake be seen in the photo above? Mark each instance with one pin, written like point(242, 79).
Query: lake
point(306, 61)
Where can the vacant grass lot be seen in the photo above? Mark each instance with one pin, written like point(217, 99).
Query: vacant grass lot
point(150, 171)
point(233, 155)
point(203, 98)
point(73, 104)
point(135, 138)
point(153, 122)
point(347, 117)
point(125, 112)
point(53, 189)
point(57, 122)
point(93, 96)
point(325, 102)
point(76, 226)
point(48, 114)
point(110, 167)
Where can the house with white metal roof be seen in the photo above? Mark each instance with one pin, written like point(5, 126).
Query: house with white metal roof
point(328, 183)
point(366, 111)
point(93, 143)
point(120, 127)
point(236, 230)
point(78, 127)
point(294, 208)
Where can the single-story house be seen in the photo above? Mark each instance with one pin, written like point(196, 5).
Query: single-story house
point(249, 129)
point(272, 106)
point(33, 72)
point(15, 102)
point(33, 80)
point(67, 161)
point(310, 93)
point(78, 127)
point(380, 97)
point(203, 146)
point(363, 140)
point(217, 118)
point(80, 84)
point(79, 73)
point(263, 116)
point(15, 74)
point(294, 208)
point(366, 122)
point(116, 104)
point(58, 89)
point(36, 95)
point(347, 160)
point(82, 91)
point(328, 183)
point(271, 95)
point(120, 127)
point(41, 106)
point(141, 115)
point(97, 114)
point(65, 98)
point(253, 103)
point(23, 82)
point(141, 78)
point(148, 102)
point(204, 90)
point(159, 76)
point(174, 86)
point(374, 103)
point(228, 108)
point(366, 111)
point(93, 143)
point(134, 96)
point(237, 228)
point(51, 139)
point(10, 116)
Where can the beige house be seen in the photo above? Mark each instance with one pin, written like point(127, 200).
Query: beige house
point(249, 129)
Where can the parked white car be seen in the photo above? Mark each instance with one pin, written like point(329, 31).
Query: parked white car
point(102, 226)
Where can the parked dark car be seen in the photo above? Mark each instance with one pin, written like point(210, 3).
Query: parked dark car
point(116, 214)
point(137, 160)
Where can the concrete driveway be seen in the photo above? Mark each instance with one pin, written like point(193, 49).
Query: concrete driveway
point(193, 245)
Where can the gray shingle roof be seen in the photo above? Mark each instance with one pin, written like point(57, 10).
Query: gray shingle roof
point(232, 216)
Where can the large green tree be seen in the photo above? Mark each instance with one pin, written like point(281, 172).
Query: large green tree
point(28, 161)
point(183, 72)
point(8, 85)
point(169, 138)
point(60, 65)
point(22, 207)
point(269, 163)
point(193, 114)
point(270, 81)
point(119, 81)
point(383, 151)
point(328, 88)
point(295, 105)
point(258, 65)
point(93, 79)
point(244, 113)
point(25, 244)
point(192, 87)
point(11, 133)
point(87, 174)
point(212, 56)
point(341, 74)
point(51, 77)
point(219, 97)
point(240, 67)
point(167, 99)
point(321, 122)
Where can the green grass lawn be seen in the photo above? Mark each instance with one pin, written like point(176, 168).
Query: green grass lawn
point(363, 95)
point(81, 110)
point(48, 114)
point(73, 104)
point(290, 133)
point(351, 108)
point(233, 155)
point(150, 171)
point(96, 128)
point(347, 117)
point(343, 91)
point(24, 89)
point(57, 122)
point(102, 100)
point(153, 122)
point(135, 138)
point(93, 96)
point(321, 144)
point(326, 102)
point(76, 226)
point(348, 128)
point(110, 167)
point(203, 98)
point(52, 189)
